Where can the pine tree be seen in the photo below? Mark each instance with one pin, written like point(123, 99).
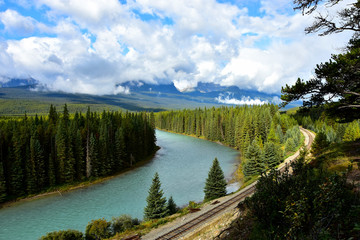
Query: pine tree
point(320, 143)
point(352, 132)
point(171, 206)
point(271, 155)
point(91, 161)
point(119, 155)
point(156, 203)
point(16, 172)
point(2, 184)
point(290, 145)
point(253, 164)
point(215, 185)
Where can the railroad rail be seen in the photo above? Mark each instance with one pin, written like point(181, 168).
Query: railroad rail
point(181, 230)
point(173, 234)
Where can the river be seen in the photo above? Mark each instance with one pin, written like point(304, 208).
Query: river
point(182, 163)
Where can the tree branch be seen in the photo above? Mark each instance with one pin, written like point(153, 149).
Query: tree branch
point(350, 106)
point(353, 93)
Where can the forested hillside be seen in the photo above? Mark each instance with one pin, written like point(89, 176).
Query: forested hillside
point(318, 121)
point(261, 133)
point(41, 152)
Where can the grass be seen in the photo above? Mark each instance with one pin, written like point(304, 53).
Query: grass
point(18, 107)
point(337, 157)
point(292, 111)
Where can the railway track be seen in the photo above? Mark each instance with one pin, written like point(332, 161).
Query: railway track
point(181, 230)
point(175, 233)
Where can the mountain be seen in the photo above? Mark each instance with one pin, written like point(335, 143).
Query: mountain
point(206, 90)
point(16, 82)
point(20, 95)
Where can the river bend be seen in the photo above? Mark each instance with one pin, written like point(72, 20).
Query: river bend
point(182, 163)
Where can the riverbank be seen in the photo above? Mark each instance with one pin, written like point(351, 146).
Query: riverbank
point(59, 190)
point(237, 175)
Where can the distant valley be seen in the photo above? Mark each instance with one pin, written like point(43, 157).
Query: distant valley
point(18, 96)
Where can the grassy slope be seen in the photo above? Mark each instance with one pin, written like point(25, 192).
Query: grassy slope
point(339, 156)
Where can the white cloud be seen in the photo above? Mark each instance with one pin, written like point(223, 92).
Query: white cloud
point(84, 12)
point(243, 101)
point(17, 24)
point(121, 89)
point(23, 3)
point(94, 46)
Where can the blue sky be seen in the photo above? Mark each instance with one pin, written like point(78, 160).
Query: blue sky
point(89, 46)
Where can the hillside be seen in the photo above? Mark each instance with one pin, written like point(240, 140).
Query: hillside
point(19, 96)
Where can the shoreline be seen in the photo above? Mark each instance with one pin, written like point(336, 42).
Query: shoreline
point(89, 183)
point(234, 178)
point(78, 185)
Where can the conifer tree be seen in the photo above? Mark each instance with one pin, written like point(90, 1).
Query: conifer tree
point(279, 133)
point(215, 185)
point(271, 155)
point(272, 136)
point(119, 155)
point(156, 203)
point(253, 164)
point(171, 206)
point(352, 132)
point(91, 162)
point(2, 184)
point(290, 145)
point(320, 142)
point(16, 172)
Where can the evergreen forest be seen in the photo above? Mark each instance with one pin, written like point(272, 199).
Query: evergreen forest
point(261, 133)
point(39, 153)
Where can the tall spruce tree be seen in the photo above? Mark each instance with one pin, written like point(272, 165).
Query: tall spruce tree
point(215, 185)
point(254, 164)
point(271, 155)
point(2, 184)
point(156, 203)
point(171, 206)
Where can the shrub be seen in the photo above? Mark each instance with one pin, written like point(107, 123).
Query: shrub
point(122, 223)
point(64, 235)
point(98, 229)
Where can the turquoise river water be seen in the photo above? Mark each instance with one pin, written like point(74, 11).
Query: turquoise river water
point(182, 163)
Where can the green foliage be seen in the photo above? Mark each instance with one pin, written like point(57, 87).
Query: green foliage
point(336, 79)
point(290, 145)
point(64, 235)
point(98, 229)
point(156, 203)
point(352, 131)
point(122, 223)
point(271, 155)
point(273, 136)
point(193, 205)
point(310, 204)
point(254, 164)
point(318, 121)
point(215, 185)
point(171, 206)
point(2, 184)
point(320, 143)
point(236, 127)
point(42, 152)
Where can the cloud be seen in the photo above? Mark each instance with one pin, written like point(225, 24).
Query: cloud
point(17, 24)
point(90, 47)
point(121, 89)
point(243, 101)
